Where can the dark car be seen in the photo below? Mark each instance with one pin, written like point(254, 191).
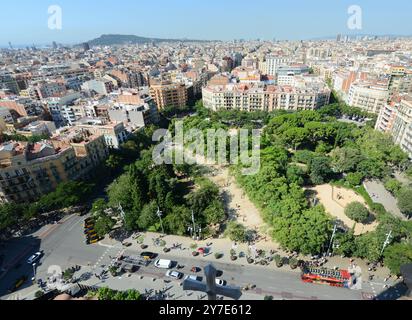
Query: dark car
point(148, 255)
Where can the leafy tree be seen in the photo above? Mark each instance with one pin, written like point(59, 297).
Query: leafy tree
point(368, 246)
point(214, 212)
point(307, 232)
point(236, 231)
point(106, 294)
point(119, 193)
point(397, 255)
point(294, 137)
point(345, 244)
point(161, 186)
point(177, 221)
point(405, 201)
point(200, 199)
point(104, 224)
point(148, 216)
point(138, 188)
point(99, 206)
point(354, 178)
point(304, 156)
point(320, 170)
point(345, 159)
point(393, 186)
point(295, 174)
point(113, 162)
point(357, 212)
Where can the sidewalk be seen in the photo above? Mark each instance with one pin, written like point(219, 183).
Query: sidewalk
point(225, 245)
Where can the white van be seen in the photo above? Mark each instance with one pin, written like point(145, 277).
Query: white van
point(163, 264)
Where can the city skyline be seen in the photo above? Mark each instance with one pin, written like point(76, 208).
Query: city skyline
point(268, 20)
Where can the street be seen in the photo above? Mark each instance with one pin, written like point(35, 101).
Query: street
point(64, 247)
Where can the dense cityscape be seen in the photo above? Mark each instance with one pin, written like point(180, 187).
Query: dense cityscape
point(87, 213)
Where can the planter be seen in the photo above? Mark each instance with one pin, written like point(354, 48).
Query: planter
point(233, 258)
point(143, 246)
point(279, 265)
point(250, 261)
point(218, 256)
point(195, 253)
point(166, 250)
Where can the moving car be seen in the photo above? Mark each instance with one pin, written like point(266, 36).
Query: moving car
point(148, 255)
point(34, 258)
point(163, 264)
point(174, 274)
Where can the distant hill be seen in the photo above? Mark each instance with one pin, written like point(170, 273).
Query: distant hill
point(119, 39)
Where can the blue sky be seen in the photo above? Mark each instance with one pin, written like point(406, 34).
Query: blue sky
point(25, 21)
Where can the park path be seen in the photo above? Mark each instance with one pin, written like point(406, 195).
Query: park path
point(379, 194)
point(237, 204)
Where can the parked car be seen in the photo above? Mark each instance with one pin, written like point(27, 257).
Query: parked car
point(194, 278)
point(148, 255)
point(221, 282)
point(163, 264)
point(174, 274)
point(34, 258)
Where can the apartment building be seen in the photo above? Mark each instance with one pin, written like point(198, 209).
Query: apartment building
point(21, 106)
point(263, 97)
point(369, 96)
point(386, 118)
point(167, 94)
point(29, 170)
point(101, 86)
point(402, 125)
point(342, 80)
point(134, 108)
point(60, 110)
point(273, 64)
point(37, 128)
point(5, 115)
point(114, 132)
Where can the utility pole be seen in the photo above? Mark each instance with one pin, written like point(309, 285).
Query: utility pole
point(387, 241)
point(194, 225)
point(160, 214)
point(34, 272)
point(335, 228)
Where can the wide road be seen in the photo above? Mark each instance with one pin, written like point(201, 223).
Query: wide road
point(64, 247)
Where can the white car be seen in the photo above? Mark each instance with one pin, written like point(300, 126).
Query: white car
point(221, 282)
point(194, 278)
point(163, 264)
point(34, 258)
point(174, 274)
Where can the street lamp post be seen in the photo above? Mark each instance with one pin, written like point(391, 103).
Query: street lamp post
point(194, 225)
point(190, 229)
point(34, 272)
point(335, 227)
point(387, 241)
point(160, 214)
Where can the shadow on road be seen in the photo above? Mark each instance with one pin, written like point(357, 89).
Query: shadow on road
point(393, 293)
point(15, 272)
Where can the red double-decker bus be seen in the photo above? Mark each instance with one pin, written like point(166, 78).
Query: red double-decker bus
point(334, 278)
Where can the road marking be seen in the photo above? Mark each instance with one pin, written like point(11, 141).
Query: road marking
point(74, 225)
